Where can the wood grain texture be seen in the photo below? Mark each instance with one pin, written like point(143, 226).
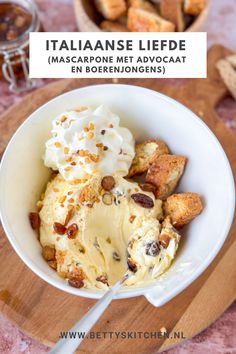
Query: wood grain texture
point(43, 311)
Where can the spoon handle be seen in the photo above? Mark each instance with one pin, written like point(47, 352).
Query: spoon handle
point(69, 345)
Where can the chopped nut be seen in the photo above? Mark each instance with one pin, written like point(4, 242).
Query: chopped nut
point(110, 125)
point(115, 256)
point(68, 216)
point(76, 283)
point(71, 200)
point(63, 119)
point(73, 163)
point(99, 145)
point(132, 265)
point(66, 150)
point(143, 200)
point(11, 35)
point(107, 198)
point(39, 205)
point(70, 192)
point(56, 190)
point(148, 187)
point(94, 157)
point(62, 199)
point(152, 248)
point(108, 182)
point(132, 218)
point(20, 21)
point(57, 144)
point(83, 153)
point(49, 253)
point(59, 228)
point(72, 231)
point(91, 126)
point(103, 279)
point(164, 240)
point(53, 264)
point(34, 220)
point(90, 135)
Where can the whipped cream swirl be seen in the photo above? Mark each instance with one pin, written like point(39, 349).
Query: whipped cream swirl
point(87, 142)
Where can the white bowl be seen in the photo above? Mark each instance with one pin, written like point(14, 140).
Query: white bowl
point(147, 114)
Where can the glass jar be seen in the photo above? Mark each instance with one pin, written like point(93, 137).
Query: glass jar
point(17, 19)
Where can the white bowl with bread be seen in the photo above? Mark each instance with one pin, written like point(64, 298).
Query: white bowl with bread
point(148, 115)
point(141, 15)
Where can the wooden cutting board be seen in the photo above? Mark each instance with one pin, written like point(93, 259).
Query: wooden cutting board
point(43, 311)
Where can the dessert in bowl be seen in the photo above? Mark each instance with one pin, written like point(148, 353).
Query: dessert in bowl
point(145, 214)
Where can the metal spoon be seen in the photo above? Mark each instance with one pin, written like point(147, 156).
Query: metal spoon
point(69, 345)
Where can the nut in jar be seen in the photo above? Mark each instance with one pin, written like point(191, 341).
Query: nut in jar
point(17, 19)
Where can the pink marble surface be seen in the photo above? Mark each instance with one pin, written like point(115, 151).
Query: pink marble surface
point(220, 337)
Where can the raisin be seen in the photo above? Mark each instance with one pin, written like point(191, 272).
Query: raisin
point(76, 283)
point(143, 200)
point(72, 230)
point(148, 187)
point(108, 182)
point(152, 248)
point(103, 279)
point(59, 228)
point(132, 265)
point(34, 220)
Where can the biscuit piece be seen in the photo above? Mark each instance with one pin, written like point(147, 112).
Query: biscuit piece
point(144, 21)
point(145, 154)
point(142, 4)
point(89, 194)
point(171, 10)
point(228, 74)
point(165, 173)
point(194, 7)
point(110, 26)
point(182, 208)
point(111, 9)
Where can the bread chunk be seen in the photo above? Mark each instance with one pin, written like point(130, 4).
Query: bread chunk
point(144, 21)
point(111, 9)
point(111, 26)
point(194, 7)
point(142, 4)
point(145, 154)
point(165, 173)
point(183, 208)
point(171, 10)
